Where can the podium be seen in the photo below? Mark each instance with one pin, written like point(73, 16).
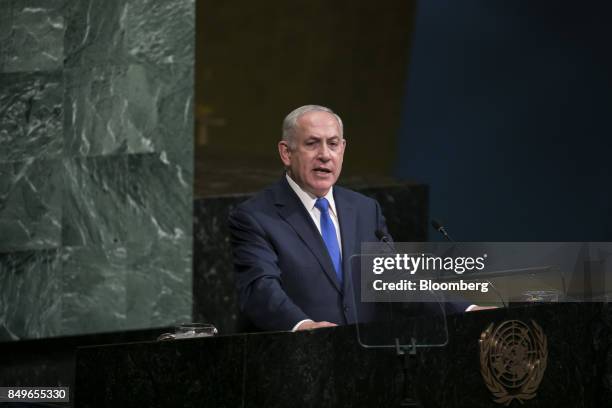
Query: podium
point(328, 367)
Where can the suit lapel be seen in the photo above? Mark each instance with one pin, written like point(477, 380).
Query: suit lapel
point(291, 209)
point(347, 218)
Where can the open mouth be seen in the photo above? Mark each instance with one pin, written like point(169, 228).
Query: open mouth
point(321, 170)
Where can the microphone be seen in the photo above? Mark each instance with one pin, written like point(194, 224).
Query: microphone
point(440, 228)
point(382, 237)
point(380, 234)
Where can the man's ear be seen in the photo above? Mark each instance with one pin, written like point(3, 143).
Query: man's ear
point(284, 152)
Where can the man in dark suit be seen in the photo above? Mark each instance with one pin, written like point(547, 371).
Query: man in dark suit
point(293, 242)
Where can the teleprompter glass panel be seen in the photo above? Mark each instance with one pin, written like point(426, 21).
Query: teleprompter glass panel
point(396, 324)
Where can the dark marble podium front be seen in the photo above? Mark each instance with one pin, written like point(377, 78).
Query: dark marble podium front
point(328, 368)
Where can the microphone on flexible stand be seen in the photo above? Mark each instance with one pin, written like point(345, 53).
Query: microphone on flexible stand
point(382, 237)
point(380, 234)
point(440, 228)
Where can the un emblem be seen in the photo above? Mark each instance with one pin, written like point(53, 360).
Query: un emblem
point(513, 359)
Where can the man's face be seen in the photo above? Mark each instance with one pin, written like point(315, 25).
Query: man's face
point(314, 160)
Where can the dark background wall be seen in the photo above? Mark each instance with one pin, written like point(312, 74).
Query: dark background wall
point(255, 62)
point(507, 118)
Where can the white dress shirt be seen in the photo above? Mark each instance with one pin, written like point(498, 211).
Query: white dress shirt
point(309, 200)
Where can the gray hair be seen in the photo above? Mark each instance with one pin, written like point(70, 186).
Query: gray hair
point(290, 122)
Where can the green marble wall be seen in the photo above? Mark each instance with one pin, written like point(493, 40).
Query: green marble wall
point(96, 165)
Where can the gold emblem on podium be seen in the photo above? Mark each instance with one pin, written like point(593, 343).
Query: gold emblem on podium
point(513, 359)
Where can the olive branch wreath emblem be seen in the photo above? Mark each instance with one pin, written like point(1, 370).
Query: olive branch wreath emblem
point(513, 358)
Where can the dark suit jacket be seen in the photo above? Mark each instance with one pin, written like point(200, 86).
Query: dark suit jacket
point(283, 271)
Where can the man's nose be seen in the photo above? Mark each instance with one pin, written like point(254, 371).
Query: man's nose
point(324, 153)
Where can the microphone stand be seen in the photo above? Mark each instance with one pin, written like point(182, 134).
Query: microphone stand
point(408, 354)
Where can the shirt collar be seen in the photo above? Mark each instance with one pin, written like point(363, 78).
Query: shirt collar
point(309, 199)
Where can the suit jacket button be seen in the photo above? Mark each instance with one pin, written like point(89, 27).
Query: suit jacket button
point(346, 308)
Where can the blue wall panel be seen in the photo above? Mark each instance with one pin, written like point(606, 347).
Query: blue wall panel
point(507, 115)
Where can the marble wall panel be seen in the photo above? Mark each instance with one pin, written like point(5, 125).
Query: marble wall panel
point(143, 288)
point(95, 207)
point(95, 32)
point(160, 34)
point(169, 109)
point(93, 289)
point(159, 284)
point(96, 161)
point(31, 35)
point(133, 87)
point(30, 294)
point(142, 109)
point(118, 109)
point(30, 205)
point(159, 196)
point(31, 115)
point(160, 201)
point(95, 103)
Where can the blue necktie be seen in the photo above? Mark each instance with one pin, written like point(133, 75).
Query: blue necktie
point(328, 231)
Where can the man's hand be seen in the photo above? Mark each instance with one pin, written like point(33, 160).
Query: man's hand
point(310, 325)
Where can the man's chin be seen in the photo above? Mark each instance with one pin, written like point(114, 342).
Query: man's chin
point(320, 189)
